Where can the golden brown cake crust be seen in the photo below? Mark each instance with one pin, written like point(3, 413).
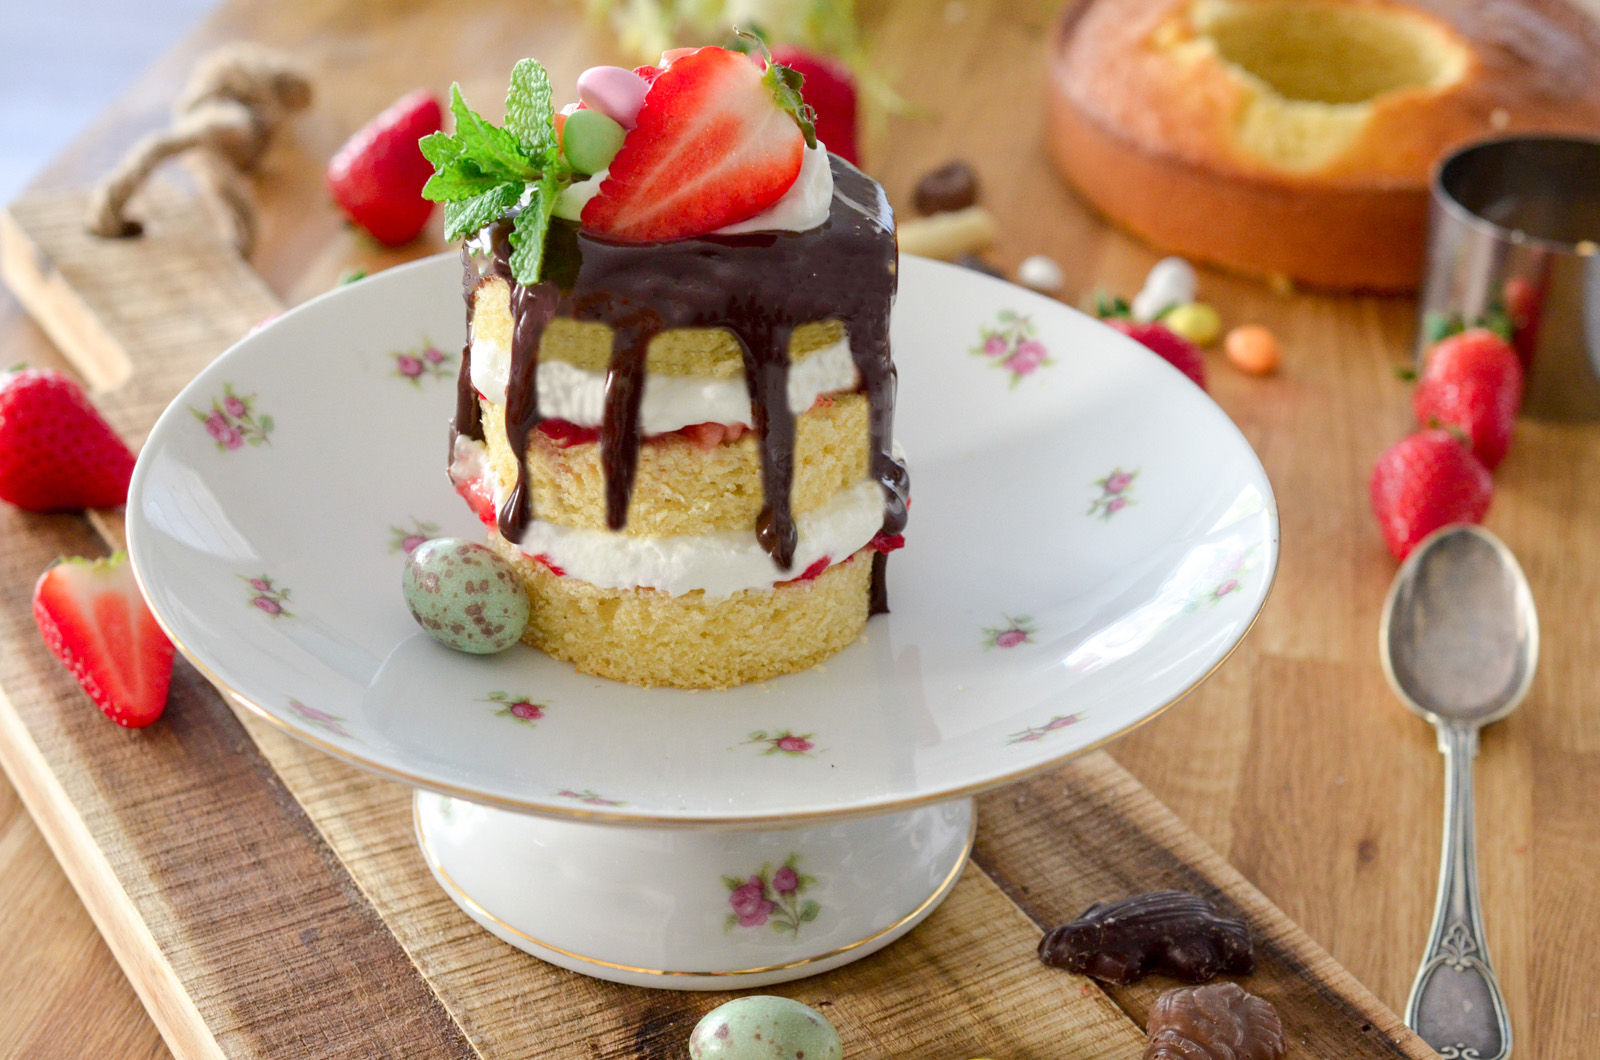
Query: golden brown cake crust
point(1154, 120)
point(648, 638)
point(681, 488)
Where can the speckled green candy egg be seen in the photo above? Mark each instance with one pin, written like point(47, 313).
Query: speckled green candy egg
point(465, 595)
point(762, 1027)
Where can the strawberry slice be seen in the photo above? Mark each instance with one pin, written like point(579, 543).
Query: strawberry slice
point(717, 141)
point(95, 621)
point(56, 451)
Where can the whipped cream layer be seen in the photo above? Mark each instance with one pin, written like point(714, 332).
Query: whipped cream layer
point(720, 563)
point(670, 402)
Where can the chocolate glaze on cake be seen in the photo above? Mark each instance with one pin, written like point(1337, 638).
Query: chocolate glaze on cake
point(759, 286)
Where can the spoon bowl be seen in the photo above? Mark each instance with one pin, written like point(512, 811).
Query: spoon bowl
point(1459, 643)
point(1460, 636)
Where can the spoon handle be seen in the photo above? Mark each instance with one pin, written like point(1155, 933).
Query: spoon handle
point(1456, 1005)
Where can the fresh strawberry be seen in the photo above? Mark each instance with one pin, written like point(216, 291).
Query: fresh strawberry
point(377, 176)
point(95, 621)
point(56, 452)
point(717, 141)
point(1472, 382)
point(1176, 350)
point(830, 88)
point(1426, 481)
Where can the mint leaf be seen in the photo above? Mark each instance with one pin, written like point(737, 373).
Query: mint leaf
point(458, 180)
point(529, 113)
point(440, 148)
point(495, 151)
point(467, 216)
point(527, 233)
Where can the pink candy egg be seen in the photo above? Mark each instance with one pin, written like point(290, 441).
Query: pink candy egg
point(616, 92)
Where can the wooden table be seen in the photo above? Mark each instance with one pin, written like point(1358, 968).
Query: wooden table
point(1294, 761)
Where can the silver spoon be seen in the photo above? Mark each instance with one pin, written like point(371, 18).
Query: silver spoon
point(1459, 642)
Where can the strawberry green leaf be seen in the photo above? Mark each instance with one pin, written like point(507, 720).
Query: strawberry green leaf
point(495, 150)
point(466, 217)
point(527, 233)
point(784, 83)
point(529, 114)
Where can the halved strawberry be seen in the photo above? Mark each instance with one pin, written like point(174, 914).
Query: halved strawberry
point(717, 141)
point(95, 621)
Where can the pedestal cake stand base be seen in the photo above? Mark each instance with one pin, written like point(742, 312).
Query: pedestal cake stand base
point(695, 909)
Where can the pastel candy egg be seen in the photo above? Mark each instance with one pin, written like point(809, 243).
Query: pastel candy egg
point(1197, 322)
point(464, 595)
point(1171, 282)
point(762, 1027)
point(614, 91)
point(590, 140)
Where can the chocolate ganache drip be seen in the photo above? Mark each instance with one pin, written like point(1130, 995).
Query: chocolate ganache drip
point(759, 286)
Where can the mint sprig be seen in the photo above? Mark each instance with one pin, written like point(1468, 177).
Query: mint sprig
point(482, 171)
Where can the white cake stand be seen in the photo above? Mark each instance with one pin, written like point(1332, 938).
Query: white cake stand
point(1090, 537)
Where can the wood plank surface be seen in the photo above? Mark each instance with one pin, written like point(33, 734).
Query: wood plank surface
point(1294, 762)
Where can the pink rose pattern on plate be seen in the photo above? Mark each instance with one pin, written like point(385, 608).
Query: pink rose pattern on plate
point(1039, 732)
point(1018, 630)
point(519, 708)
point(783, 742)
point(1009, 344)
point(268, 597)
point(232, 421)
point(403, 540)
point(588, 798)
point(429, 362)
point(322, 719)
point(772, 897)
point(1115, 493)
point(1222, 579)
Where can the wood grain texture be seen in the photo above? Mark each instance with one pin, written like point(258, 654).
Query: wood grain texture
point(1294, 761)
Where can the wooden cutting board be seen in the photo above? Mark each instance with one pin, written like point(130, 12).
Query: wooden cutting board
point(268, 902)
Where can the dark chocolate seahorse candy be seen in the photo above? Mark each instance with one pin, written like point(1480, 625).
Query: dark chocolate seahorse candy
point(1173, 932)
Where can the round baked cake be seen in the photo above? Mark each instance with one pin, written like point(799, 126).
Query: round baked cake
point(1295, 137)
point(683, 443)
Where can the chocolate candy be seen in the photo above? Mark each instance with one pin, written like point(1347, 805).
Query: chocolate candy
point(953, 186)
point(1164, 931)
point(1216, 1022)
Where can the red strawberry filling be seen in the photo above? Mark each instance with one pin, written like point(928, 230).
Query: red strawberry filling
point(564, 434)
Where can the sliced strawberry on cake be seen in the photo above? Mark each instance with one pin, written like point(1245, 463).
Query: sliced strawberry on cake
point(717, 141)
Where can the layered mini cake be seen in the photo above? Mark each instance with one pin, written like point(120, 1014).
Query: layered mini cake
point(683, 440)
